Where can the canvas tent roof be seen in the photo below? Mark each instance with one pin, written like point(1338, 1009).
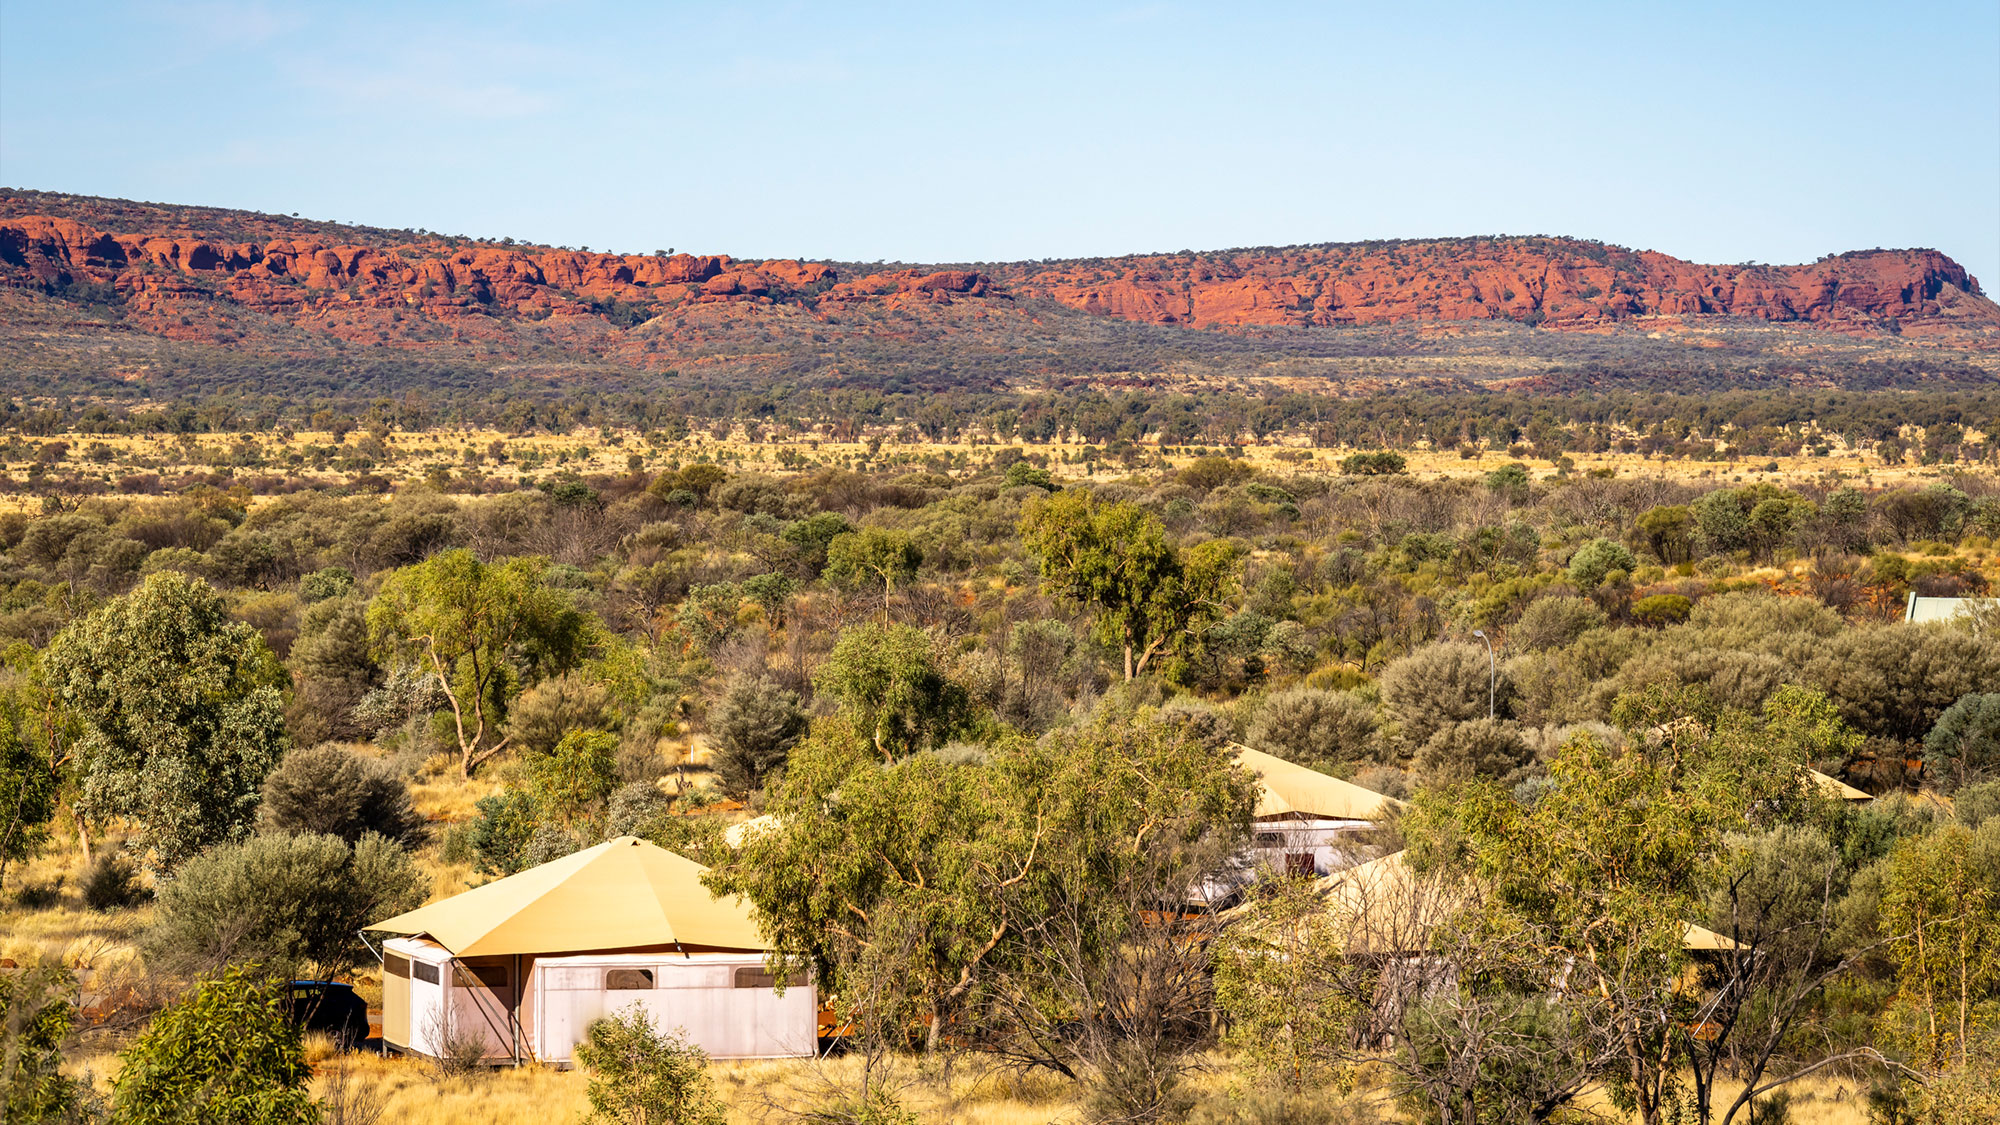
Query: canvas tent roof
point(1287, 787)
point(621, 894)
point(1836, 788)
point(1388, 907)
point(736, 835)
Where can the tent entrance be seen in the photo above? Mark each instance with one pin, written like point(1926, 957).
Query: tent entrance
point(484, 1000)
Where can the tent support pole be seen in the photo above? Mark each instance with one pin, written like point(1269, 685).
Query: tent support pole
point(519, 988)
point(382, 1044)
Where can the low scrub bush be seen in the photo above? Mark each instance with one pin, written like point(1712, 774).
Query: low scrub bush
point(111, 882)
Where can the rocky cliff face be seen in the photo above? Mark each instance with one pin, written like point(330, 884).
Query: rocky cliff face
point(1558, 282)
point(397, 287)
point(439, 279)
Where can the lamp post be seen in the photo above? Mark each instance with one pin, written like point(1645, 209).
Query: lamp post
point(1492, 671)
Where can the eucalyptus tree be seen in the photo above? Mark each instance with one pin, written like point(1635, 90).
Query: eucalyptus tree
point(179, 712)
point(483, 632)
point(1004, 898)
point(1150, 595)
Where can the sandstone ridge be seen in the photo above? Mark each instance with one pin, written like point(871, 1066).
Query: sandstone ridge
point(299, 271)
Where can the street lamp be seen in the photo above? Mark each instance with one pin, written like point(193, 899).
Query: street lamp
point(1492, 671)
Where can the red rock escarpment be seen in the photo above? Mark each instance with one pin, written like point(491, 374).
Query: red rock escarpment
point(1555, 282)
point(1549, 281)
point(285, 275)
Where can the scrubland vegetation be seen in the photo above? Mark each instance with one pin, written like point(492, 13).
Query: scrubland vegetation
point(263, 688)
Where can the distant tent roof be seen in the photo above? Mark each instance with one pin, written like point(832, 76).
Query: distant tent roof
point(620, 894)
point(1386, 907)
point(1287, 787)
point(1838, 789)
point(1704, 940)
point(1390, 908)
point(736, 835)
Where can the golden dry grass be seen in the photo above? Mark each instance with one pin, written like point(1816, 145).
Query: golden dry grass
point(82, 938)
point(769, 1090)
point(758, 1091)
point(415, 453)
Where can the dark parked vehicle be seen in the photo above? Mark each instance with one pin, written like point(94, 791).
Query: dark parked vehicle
point(331, 1007)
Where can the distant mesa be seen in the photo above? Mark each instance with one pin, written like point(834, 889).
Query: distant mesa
point(177, 271)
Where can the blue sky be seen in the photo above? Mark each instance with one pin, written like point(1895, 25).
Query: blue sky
point(1729, 132)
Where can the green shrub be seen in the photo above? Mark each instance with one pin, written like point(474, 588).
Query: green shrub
point(874, 1106)
point(554, 708)
point(111, 882)
point(330, 791)
point(1138, 1084)
point(293, 903)
point(1315, 728)
point(1486, 748)
point(571, 784)
point(455, 844)
point(1597, 560)
point(1020, 474)
point(755, 725)
point(635, 808)
point(1974, 805)
point(1964, 746)
point(224, 1054)
point(1554, 622)
point(1377, 464)
point(1442, 684)
point(642, 1076)
point(500, 831)
point(37, 1014)
point(330, 582)
point(1662, 609)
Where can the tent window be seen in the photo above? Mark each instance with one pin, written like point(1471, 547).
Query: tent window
point(424, 972)
point(1270, 840)
point(618, 979)
point(396, 965)
point(747, 977)
point(492, 976)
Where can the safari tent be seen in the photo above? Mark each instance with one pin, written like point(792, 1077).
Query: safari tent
point(525, 964)
point(1305, 821)
point(1386, 915)
point(1384, 907)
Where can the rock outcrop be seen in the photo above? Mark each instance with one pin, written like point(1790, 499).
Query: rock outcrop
point(1558, 282)
point(301, 272)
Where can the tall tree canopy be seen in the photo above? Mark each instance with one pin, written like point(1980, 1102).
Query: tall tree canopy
point(938, 873)
point(1600, 875)
point(1114, 555)
point(180, 711)
point(485, 631)
point(887, 680)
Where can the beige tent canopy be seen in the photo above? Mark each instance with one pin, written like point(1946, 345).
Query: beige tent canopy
point(1287, 788)
point(1284, 789)
point(738, 834)
point(1836, 788)
point(1390, 908)
point(625, 893)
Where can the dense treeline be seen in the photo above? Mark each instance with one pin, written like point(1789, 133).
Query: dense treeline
point(989, 717)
